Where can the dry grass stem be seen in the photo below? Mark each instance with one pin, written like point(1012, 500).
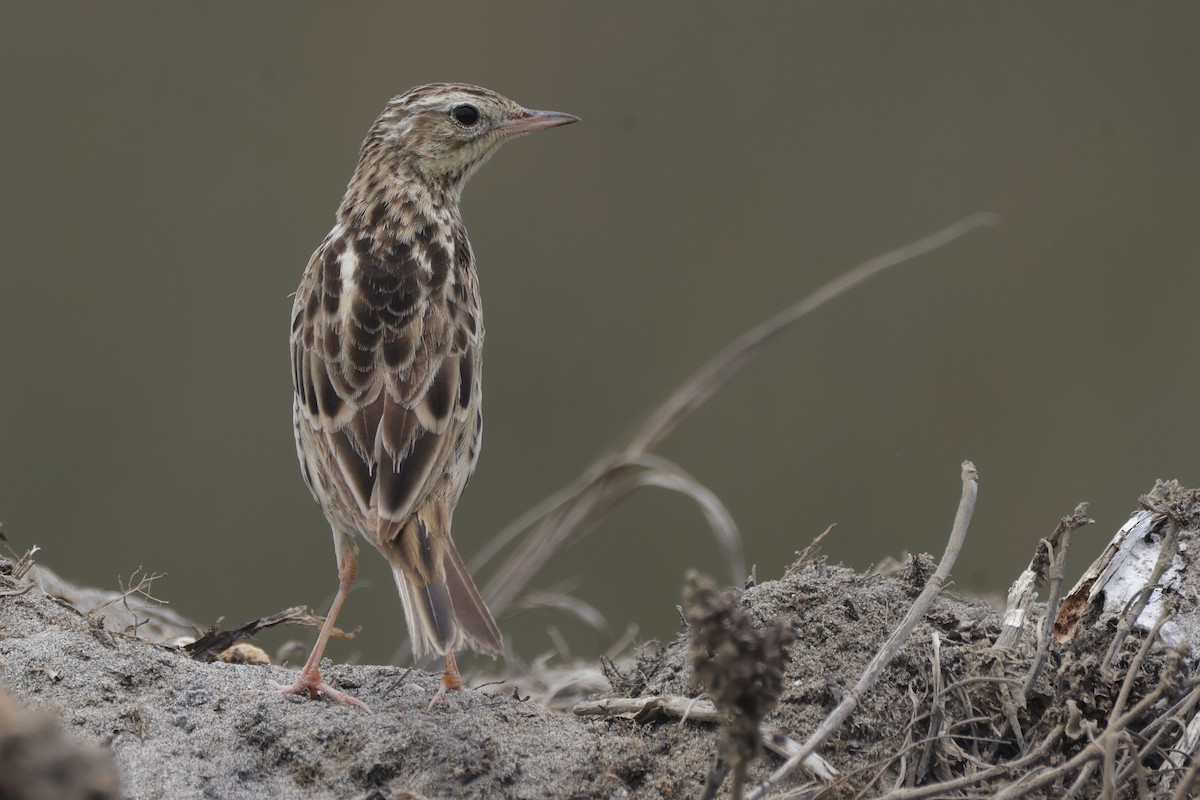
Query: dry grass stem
point(806, 555)
point(585, 505)
point(570, 513)
point(566, 604)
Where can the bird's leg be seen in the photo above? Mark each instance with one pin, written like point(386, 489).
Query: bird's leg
point(310, 681)
point(451, 680)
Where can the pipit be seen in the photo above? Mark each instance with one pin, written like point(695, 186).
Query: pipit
point(387, 338)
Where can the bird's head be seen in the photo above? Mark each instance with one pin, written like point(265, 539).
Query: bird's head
point(444, 131)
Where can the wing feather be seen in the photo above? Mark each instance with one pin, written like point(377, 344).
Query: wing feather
point(382, 372)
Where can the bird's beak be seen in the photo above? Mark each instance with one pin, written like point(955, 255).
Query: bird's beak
point(530, 120)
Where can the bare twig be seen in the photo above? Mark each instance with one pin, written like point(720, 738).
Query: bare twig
point(962, 519)
point(937, 706)
point(1190, 778)
point(1081, 780)
point(1185, 721)
point(24, 563)
point(1108, 767)
point(1135, 667)
point(1094, 751)
point(140, 589)
point(1060, 547)
point(215, 641)
point(1049, 560)
point(944, 788)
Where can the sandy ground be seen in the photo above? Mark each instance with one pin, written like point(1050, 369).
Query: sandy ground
point(178, 728)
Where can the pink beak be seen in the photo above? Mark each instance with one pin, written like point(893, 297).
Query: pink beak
point(536, 121)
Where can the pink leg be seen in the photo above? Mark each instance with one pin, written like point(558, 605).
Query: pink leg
point(310, 681)
point(451, 680)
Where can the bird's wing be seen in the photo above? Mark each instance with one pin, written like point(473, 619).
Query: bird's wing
point(382, 370)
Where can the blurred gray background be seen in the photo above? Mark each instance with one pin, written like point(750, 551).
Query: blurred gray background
point(168, 169)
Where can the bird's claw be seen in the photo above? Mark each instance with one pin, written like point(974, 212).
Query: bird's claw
point(316, 687)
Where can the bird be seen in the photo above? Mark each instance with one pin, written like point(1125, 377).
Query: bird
point(386, 346)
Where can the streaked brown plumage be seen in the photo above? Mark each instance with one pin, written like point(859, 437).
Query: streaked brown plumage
point(386, 342)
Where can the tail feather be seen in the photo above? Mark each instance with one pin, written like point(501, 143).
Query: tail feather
point(429, 613)
point(442, 607)
point(474, 617)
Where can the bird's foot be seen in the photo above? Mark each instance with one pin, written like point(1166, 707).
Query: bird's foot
point(451, 681)
point(314, 686)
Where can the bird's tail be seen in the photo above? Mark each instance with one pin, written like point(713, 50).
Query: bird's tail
point(442, 607)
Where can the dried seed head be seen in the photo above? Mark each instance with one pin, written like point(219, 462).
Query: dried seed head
point(740, 666)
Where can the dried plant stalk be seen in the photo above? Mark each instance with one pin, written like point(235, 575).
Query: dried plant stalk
point(570, 513)
point(741, 670)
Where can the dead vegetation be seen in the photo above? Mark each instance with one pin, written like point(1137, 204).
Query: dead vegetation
point(566, 516)
point(956, 714)
point(890, 689)
point(950, 714)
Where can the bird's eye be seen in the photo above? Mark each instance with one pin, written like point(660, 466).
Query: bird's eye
point(465, 115)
